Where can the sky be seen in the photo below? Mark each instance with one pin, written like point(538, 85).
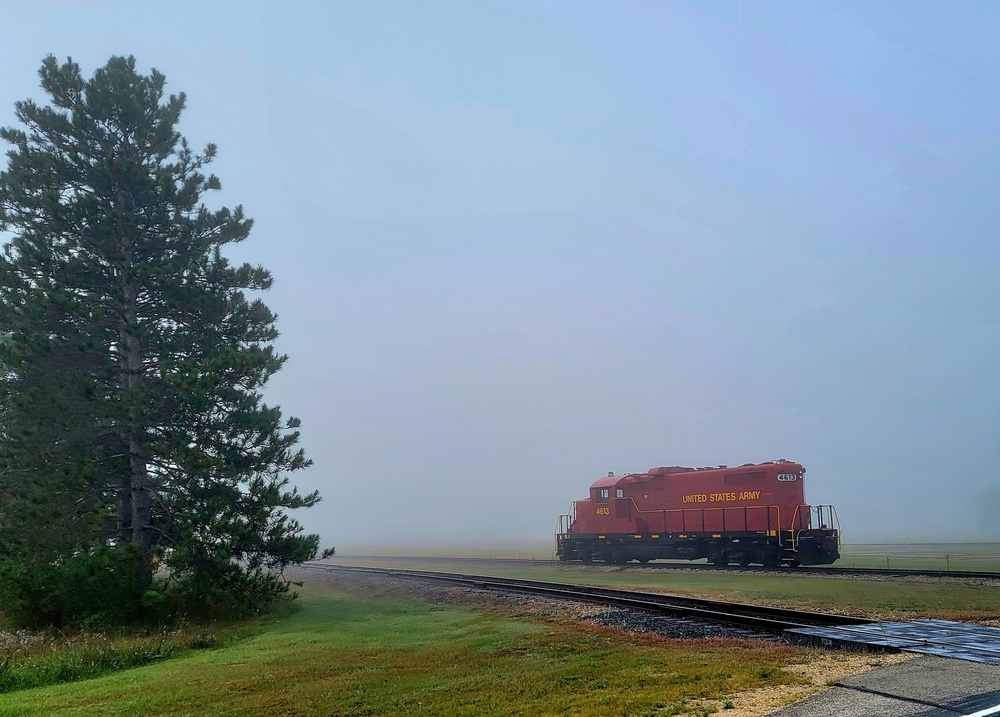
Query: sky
point(517, 245)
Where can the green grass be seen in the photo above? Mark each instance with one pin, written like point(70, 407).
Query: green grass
point(886, 599)
point(355, 656)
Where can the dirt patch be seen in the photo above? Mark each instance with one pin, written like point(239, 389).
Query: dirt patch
point(821, 673)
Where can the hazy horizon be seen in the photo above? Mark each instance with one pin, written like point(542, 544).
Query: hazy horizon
point(519, 245)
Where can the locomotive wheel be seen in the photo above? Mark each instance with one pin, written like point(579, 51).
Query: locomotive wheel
point(585, 555)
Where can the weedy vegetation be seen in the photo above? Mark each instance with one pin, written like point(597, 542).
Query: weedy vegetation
point(48, 657)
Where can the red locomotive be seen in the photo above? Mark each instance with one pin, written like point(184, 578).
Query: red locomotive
point(755, 513)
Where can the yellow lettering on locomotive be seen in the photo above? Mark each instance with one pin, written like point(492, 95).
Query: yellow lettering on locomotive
point(604, 511)
point(696, 498)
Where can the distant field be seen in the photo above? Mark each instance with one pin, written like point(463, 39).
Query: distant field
point(923, 556)
point(915, 556)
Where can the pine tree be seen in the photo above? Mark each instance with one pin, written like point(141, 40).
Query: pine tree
point(133, 361)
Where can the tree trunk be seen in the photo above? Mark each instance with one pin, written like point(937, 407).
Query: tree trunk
point(124, 507)
point(138, 501)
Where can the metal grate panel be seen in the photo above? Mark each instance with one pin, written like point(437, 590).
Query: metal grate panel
point(943, 638)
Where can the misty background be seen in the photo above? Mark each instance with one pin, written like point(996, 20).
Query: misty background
point(517, 245)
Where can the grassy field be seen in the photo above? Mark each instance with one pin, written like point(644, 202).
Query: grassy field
point(343, 654)
point(354, 654)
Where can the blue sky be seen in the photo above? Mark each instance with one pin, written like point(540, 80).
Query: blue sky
point(518, 245)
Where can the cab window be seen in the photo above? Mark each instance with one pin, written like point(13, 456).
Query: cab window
point(602, 495)
point(620, 493)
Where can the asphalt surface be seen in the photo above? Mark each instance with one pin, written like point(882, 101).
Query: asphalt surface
point(925, 687)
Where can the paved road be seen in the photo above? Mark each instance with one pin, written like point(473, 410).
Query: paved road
point(925, 687)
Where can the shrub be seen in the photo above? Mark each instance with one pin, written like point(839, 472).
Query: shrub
point(93, 588)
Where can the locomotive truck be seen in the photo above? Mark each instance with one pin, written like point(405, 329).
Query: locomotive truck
point(751, 514)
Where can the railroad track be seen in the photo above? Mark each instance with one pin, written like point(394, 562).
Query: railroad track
point(759, 619)
point(703, 567)
point(936, 637)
